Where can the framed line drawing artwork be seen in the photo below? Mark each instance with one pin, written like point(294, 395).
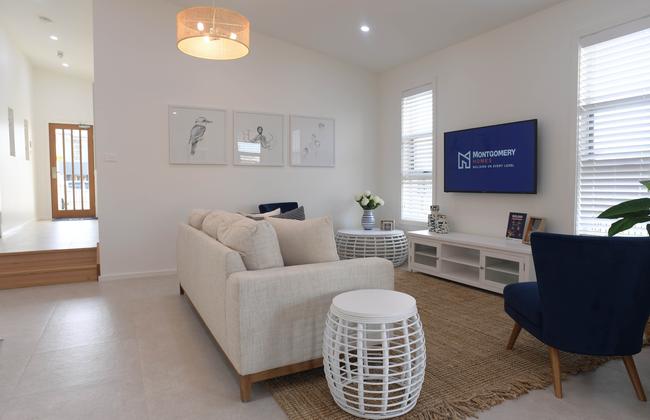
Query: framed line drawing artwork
point(258, 139)
point(312, 141)
point(197, 136)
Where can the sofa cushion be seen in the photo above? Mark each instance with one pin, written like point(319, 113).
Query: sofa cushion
point(256, 241)
point(196, 218)
point(261, 216)
point(215, 219)
point(295, 214)
point(305, 242)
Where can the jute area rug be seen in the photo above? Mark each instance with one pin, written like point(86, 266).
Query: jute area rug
point(468, 367)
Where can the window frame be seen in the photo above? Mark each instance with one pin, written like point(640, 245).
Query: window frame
point(430, 86)
point(588, 112)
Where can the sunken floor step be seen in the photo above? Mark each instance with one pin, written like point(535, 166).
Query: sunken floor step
point(39, 268)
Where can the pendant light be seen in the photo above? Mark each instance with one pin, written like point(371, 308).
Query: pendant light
point(212, 33)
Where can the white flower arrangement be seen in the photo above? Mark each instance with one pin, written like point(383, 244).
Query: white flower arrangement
point(369, 201)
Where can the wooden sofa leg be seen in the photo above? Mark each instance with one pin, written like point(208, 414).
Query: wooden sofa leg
point(555, 370)
point(634, 377)
point(245, 388)
point(513, 336)
point(182, 290)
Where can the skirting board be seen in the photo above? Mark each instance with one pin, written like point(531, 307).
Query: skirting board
point(137, 275)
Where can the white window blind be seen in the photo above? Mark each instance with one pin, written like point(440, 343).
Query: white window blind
point(613, 128)
point(417, 153)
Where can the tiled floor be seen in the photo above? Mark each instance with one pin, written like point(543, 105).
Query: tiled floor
point(45, 235)
point(134, 349)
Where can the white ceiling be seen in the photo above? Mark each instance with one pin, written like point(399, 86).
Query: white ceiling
point(401, 30)
point(71, 22)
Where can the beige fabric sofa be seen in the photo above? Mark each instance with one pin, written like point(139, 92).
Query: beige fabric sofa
point(269, 322)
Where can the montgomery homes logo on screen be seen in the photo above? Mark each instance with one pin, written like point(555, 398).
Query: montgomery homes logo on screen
point(483, 158)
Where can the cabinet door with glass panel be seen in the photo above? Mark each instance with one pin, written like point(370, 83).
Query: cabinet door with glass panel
point(72, 171)
point(500, 269)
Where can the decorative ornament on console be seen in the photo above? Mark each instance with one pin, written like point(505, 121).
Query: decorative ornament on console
point(368, 202)
point(438, 222)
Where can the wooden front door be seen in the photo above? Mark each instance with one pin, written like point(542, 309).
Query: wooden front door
point(72, 171)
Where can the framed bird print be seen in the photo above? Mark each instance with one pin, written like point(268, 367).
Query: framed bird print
point(197, 136)
point(258, 139)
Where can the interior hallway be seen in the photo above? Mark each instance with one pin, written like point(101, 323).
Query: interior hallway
point(49, 235)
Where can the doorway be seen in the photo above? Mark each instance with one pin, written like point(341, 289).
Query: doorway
point(72, 171)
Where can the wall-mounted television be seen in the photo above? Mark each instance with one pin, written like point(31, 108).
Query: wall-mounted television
point(498, 158)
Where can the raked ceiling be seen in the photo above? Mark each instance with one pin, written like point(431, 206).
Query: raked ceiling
point(71, 22)
point(400, 30)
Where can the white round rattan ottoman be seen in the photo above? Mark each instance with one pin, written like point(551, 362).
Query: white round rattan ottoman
point(374, 353)
point(359, 243)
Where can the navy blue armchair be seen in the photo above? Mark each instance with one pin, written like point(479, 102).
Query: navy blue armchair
point(592, 297)
point(284, 207)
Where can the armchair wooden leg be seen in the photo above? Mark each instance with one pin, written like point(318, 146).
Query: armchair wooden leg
point(245, 388)
point(513, 336)
point(634, 377)
point(555, 370)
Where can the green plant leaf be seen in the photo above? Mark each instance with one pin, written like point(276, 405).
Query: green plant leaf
point(626, 208)
point(626, 223)
point(646, 183)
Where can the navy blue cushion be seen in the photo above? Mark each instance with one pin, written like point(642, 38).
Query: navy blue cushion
point(522, 303)
point(284, 207)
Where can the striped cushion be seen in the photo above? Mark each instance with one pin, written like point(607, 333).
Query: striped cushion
point(295, 214)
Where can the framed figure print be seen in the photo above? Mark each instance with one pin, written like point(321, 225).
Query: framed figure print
point(258, 139)
point(312, 141)
point(197, 136)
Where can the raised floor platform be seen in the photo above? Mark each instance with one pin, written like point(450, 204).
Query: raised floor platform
point(49, 252)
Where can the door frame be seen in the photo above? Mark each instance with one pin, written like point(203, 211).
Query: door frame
point(63, 214)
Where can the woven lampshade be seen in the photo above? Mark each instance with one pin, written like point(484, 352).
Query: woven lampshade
point(213, 33)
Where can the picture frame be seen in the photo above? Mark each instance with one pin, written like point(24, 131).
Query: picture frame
point(197, 136)
point(258, 139)
point(313, 141)
point(534, 224)
point(387, 224)
point(516, 225)
point(12, 132)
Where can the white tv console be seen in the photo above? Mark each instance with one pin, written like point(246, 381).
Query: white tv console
point(480, 261)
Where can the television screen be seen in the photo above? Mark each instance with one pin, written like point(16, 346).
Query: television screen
point(496, 159)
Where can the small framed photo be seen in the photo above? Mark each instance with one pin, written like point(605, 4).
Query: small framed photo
point(516, 225)
point(387, 225)
point(535, 224)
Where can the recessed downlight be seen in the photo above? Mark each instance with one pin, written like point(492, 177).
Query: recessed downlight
point(54, 37)
point(66, 65)
point(365, 28)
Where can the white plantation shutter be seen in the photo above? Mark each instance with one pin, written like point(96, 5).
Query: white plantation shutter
point(417, 153)
point(613, 128)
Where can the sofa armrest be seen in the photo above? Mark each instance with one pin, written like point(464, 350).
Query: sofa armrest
point(203, 265)
point(276, 317)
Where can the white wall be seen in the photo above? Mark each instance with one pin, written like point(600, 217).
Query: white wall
point(527, 69)
point(139, 72)
point(16, 173)
point(57, 98)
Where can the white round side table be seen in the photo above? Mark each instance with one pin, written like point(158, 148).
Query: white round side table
point(374, 353)
point(359, 243)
